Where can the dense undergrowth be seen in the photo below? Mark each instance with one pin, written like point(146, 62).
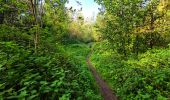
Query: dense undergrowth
point(56, 71)
point(78, 52)
point(42, 56)
point(142, 78)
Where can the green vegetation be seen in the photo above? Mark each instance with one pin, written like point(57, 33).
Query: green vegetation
point(133, 54)
point(84, 79)
point(36, 59)
point(144, 77)
point(44, 45)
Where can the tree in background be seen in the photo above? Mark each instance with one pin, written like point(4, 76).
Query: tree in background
point(34, 62)
point(79, 28)
point(132, 25)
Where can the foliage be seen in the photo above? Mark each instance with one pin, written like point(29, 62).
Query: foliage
point(83, 33)
point(133, 55)
point(43, 50)
point(134, 26)
point(146, 77)
point(47, 76)
point(34, 62)
point(78, 53)
point(80, 28)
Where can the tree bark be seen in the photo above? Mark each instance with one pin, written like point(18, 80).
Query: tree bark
point(1, 18)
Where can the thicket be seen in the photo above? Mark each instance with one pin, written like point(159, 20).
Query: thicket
point(134, 26)
point(145, 77)
point(133, 53)
point(80, 29)
point(34, 62)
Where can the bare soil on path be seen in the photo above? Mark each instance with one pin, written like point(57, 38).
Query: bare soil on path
point(105, 90)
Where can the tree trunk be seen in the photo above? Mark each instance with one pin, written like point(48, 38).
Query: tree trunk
point(34, 5)
point(152, 29)
point(1, 18)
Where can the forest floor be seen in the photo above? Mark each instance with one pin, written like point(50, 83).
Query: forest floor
point(105, 90)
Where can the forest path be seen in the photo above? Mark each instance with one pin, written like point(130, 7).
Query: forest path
point(106, 92)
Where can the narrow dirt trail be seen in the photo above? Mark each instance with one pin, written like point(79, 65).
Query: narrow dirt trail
point(106, 92)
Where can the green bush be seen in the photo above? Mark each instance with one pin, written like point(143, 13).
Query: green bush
point(25, 75)
point(88, 87)
point(144, 78)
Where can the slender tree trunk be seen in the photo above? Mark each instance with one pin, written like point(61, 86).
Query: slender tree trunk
point(34, 4)
point(137, 45)
point(151, 29)
point(1, 18)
